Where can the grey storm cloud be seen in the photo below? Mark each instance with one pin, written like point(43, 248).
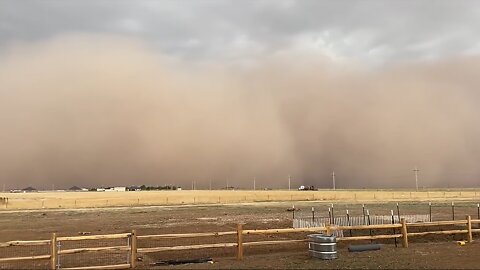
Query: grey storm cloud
point(375, 32)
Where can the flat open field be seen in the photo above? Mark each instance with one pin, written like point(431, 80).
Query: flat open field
point(67, 200)
point(433, 252)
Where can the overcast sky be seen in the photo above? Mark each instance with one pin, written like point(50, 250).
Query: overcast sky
point(371, 32)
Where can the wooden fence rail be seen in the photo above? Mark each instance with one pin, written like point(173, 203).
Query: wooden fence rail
point(113, 266)
point(94, 237)
point(25, 243)
point(40, 257)
point(133, 237)
point(185, 235)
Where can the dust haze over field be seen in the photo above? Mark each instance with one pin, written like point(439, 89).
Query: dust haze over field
point(95, 110)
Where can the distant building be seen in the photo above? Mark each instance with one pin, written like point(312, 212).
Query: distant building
point(75, 188)
point(122, 189)
point(100, 189)
point(116, 189)
point(134, 188)
point(29, 189)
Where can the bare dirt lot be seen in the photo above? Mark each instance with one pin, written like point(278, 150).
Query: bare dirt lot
point(418, 256)
point(434, 252)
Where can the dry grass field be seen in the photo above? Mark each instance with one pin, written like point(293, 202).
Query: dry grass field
point(67, 200)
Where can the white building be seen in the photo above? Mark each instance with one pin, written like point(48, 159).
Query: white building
point(116, 189)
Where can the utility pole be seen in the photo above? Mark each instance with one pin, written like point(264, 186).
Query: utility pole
point(416, 177)
point(333, 180)
point(210, 184)
point(289, 180)
point(227, 183)
point(254, 188)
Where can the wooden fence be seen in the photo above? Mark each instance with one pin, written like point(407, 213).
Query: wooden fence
point(132, 248)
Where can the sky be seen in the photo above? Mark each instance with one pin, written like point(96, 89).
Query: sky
point(375, 32)
point(169, 92)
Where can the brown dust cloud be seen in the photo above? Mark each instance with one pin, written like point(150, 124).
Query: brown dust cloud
point(108, 111)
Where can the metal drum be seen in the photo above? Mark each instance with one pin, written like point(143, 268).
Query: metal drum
point(322, 246)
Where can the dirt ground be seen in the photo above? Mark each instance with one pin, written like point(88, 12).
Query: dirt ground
point(418, 256)
point(433, 252)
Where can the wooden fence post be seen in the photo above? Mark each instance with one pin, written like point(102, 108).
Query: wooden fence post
point(53, 252)
point(404, 233)
point(469, 228)
point(133, 249)
point(328, 230)
point(239, 242)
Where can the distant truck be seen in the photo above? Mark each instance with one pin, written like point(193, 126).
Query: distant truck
point(307, 188)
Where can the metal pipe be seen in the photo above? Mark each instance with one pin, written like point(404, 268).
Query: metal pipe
point(368, 216)
point(348, 222)
point(393, 221)
point(453, 211)
point(478, 210)
point(430, 211)
point(333, 216)
point(360, 248)
point(363, 212)
point(398, 213)
point(330, 215)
